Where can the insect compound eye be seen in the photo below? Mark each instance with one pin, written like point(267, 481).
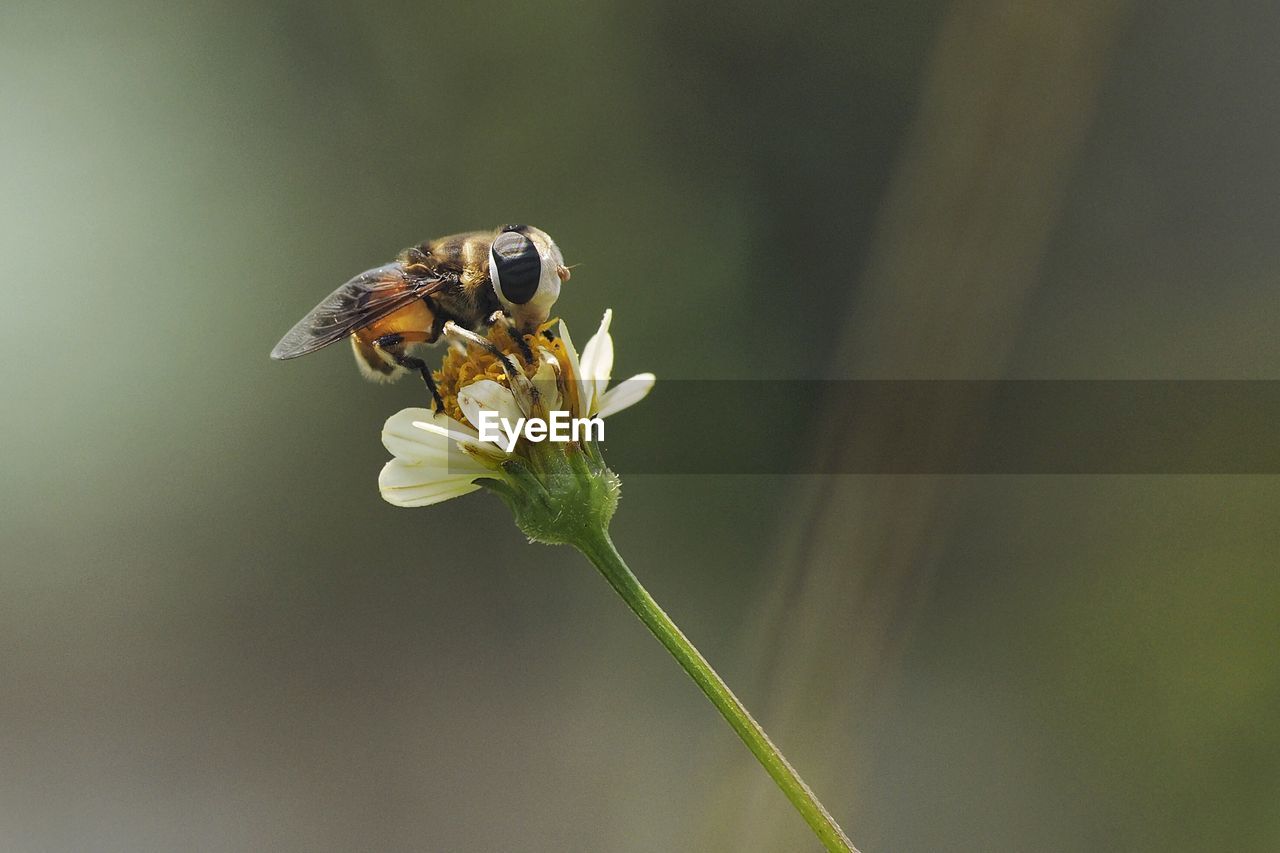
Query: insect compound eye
point(517, 269)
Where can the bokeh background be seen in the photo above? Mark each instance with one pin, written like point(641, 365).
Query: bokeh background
point(215, 636)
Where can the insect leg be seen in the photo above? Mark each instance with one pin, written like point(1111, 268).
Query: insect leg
point(414, 363)
point(453, 330)
point(525, 392)
point(500, 318)
point(393, 345)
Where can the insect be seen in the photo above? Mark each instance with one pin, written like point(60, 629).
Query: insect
point(512, 275)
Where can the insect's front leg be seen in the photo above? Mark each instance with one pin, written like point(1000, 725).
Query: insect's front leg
point(500, 318)
point(394, 346)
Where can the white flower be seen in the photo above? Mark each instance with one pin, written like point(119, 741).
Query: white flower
point(437, 457)
point(594, 370)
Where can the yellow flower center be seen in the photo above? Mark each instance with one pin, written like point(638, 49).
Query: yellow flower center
point(463, 367)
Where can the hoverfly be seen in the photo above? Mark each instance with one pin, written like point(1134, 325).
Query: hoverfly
point(475, 279)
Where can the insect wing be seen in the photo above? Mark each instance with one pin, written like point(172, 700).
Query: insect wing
point(362, 300)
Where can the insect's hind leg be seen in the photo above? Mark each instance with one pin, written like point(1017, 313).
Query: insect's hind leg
point(393, 346)
point(413, 363)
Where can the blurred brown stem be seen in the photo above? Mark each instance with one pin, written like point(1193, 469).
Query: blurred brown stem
point(1006, 101)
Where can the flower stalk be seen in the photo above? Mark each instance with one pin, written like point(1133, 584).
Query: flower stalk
point(598, 547)
point(560, 493)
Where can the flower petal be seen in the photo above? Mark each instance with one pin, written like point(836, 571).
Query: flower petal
point(398, 474)
point(546, 381)
point(626, 393)
point(404, 484)
point(446, 427)
point(575, 368)
point(408, 442)
point(597, 360)
point(487, 395)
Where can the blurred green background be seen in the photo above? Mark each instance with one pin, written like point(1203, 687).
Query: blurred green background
point(215, 636)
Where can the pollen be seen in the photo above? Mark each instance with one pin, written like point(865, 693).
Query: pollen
point(463, 367)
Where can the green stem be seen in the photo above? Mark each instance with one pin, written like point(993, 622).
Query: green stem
point(599, 549)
